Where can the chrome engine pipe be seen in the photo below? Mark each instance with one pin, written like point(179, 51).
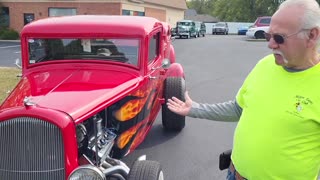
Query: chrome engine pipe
point(123, 171)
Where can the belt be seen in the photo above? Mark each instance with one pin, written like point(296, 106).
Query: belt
point(236, 173)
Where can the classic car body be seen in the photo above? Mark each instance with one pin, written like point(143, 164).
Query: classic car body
point(91, 87)
point(186, 28)
point(200, 28)
point(220, 28)
point(257, 32)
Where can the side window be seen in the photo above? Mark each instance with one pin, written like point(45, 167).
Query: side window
point(265, 21)
point(154, 47)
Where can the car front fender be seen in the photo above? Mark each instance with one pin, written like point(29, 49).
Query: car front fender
point(175, 70)
point(172, 54)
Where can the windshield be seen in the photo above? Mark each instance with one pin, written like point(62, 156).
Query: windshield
point(220, 25)
point(121, 50)
point(184, 24)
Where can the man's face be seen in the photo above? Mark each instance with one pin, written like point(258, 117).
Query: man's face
point(286, 25)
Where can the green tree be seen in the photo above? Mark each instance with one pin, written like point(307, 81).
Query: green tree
point(236, 10)
point(201, 6)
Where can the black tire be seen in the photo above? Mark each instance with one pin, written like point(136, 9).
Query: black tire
point(146, 170)
point(173, 86)
point(259, 35)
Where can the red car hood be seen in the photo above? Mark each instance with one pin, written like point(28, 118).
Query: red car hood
point(75, 91)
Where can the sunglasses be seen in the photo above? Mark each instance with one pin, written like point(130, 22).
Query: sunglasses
point(279, 38)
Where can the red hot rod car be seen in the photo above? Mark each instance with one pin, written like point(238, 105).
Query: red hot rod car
point(90, 90)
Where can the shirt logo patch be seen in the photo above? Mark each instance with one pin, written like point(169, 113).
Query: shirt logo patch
point(299, 107)
point(301, 102)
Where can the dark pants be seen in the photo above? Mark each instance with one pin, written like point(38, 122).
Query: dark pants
point(231, 175)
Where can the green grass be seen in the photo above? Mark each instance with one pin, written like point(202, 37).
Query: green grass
point(8, 80)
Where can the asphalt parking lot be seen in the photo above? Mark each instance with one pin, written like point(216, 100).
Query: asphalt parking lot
point(10, 51)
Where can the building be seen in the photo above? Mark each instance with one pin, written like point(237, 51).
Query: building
point(208, 20)
point(17, 13)
point(192, 14)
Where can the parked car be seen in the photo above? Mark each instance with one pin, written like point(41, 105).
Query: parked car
point(90, 90)
point(243, 30)
point(220, 28)
point(173, 31)
point(186, 28)
point(257, 32)
point(262, 21)
point(200, 29)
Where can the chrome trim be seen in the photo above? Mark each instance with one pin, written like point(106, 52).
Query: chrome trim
point(90, 167)
point(116, 170)
point(27, 101)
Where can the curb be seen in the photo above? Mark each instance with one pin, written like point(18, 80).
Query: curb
point(256, 40)
point(1, 40)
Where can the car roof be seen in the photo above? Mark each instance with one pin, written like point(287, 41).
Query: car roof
point(186, 21)
point(83, 25)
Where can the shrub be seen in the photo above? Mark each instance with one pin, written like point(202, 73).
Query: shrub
point(9, 34)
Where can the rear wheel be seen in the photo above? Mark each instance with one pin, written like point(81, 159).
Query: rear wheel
point(146, 170)
point(174, 86)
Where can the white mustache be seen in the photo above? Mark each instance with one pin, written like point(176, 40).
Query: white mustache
point(281, 54)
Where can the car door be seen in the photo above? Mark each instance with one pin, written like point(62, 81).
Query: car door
point(154, 73)
point(151, 88)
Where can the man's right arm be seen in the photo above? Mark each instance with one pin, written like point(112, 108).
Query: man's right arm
point(227, 111)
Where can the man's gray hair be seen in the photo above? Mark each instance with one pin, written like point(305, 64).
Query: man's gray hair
point(311, 16)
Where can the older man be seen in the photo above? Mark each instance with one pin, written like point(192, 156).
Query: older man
point(278, 105)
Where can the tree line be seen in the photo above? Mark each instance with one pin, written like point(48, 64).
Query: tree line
point(235, 10)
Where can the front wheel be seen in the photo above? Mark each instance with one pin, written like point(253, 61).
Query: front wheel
point(146, 170)
point(174, 86)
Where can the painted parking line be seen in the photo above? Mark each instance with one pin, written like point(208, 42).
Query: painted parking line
point(17, 52)
point(9, 46)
